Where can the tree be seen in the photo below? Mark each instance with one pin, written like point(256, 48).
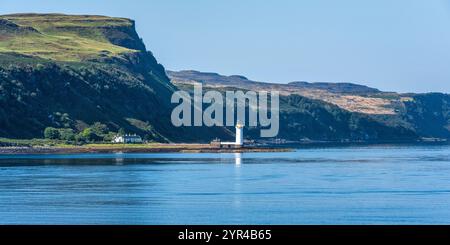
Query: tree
point(88, 135)
point(99, 128)
point(66, 134)
point(109, 136)
point(51, 133)
point(121, 131)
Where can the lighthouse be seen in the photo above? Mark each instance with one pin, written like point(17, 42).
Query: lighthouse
point(238, 143)
point(239, 134)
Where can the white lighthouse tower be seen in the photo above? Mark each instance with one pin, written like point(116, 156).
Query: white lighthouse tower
point(238, 143)
point(239, 134)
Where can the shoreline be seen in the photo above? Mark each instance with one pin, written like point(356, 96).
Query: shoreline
point(189, 147)
point(158, 148)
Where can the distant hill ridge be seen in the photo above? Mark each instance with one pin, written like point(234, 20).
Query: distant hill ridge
point(411, 115)
point(238, 80)
point(336, 87)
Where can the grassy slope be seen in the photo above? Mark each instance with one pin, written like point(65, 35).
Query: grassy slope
point(63, 37)
point(92, 68)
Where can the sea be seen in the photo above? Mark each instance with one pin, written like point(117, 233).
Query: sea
point(370, 184)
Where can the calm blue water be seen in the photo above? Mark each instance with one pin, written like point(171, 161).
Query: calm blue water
point(346, 185)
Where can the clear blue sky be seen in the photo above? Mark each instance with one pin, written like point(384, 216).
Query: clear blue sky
point(396, 45)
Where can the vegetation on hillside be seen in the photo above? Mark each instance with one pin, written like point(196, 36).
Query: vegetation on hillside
point(82, 79)
point(75, 87)
point(67, 38)
point(340, 112)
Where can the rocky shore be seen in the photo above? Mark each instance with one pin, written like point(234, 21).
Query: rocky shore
point(161, 148)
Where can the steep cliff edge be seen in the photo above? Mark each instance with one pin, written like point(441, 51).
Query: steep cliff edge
point(68, 71)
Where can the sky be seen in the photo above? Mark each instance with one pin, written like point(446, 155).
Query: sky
point(401, 45)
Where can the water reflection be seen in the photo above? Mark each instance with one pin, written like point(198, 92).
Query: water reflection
point(238, 159)
point(119, 158)
point(237, 186)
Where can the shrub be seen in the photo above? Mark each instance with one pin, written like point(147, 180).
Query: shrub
point(88, 135)
point(99, 128)
point(51, 133)
point(66, 134)
point(121, 132)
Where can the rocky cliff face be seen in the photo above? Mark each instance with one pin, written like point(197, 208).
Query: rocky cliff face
point(74, 71)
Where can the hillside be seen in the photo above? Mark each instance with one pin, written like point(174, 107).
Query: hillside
point(351, 97)
point(73, 72)
point(82, 78)
point(340, 111)
point(68, 38)
point(215, 79)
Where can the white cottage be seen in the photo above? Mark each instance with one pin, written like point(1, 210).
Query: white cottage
point(127, 139)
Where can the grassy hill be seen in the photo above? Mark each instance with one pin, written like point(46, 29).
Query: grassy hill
point(73, 72)
point(67, 38)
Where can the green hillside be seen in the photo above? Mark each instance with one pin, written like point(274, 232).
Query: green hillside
point(89, 74)
point(86, 78)
point(67, 38)
point(340, 111)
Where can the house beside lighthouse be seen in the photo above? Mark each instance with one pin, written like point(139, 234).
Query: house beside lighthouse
point(238, 143)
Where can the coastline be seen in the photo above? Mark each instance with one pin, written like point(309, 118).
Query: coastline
point(190, 147)
point(146, 148)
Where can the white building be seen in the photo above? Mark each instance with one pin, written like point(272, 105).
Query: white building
point(238, 143)
point(239, 134)
point(127, 139)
